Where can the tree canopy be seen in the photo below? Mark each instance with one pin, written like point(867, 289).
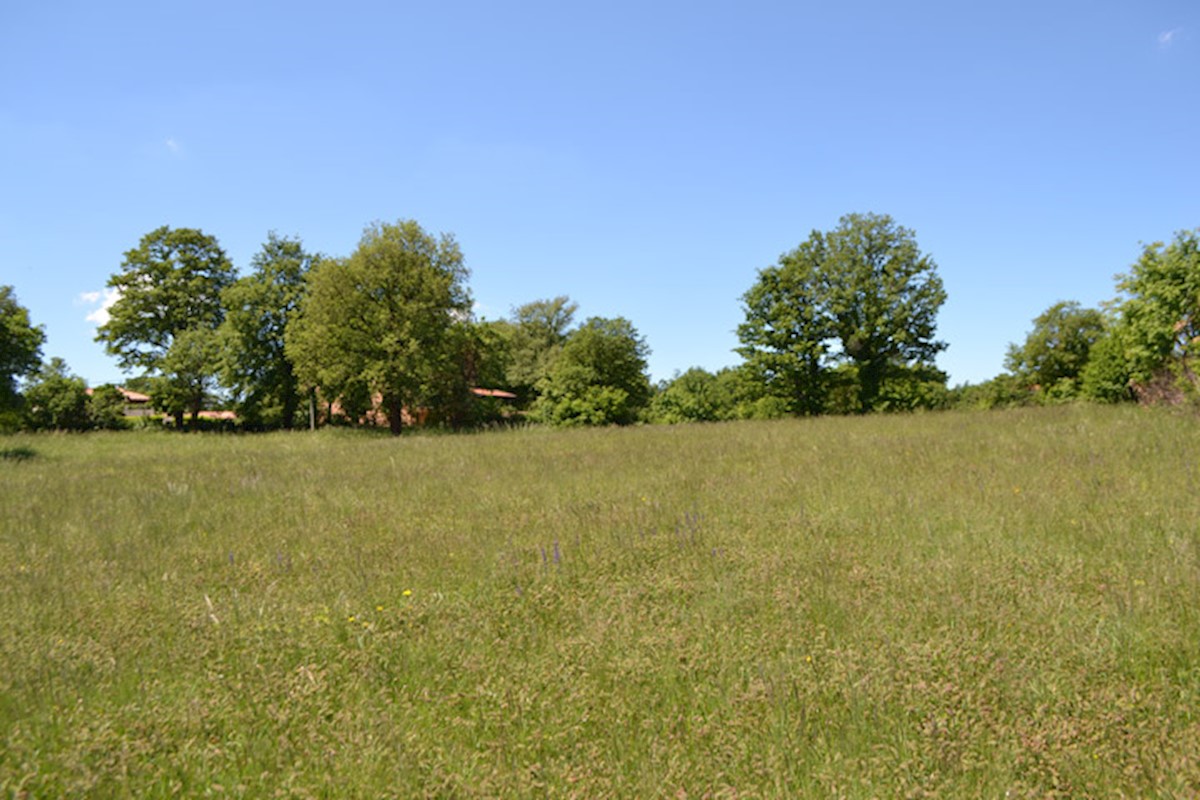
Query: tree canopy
point(20, 346)
point(259, 306)
point(599, 377)
point(57, 400)
point(171, 283)
point(861, 296)
point(1159, 307)
point(378, 322)
point(538, 331)
point(843, 323)
point(1056, 351)
point(696, 395)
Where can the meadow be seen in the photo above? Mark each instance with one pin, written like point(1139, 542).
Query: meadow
point(997, 604)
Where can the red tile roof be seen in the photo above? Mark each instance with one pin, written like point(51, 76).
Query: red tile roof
point(493, 393)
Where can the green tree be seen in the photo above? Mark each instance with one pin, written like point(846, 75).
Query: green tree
point(785, 338)
point(170, 283)
point(1107, 378)
point(1056, 351)
point(692, 396)
point(882, 296)
point(380, 319)
point(20, 348)
point(538, 331)
point(259, 306)
point(106, 408)
point(862, 295)
point(187, 376)
point(56, 400)
point(599, 377)
point(1159, 310)
point(473, 355)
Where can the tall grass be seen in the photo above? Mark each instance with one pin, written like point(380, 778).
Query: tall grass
point(945, 605)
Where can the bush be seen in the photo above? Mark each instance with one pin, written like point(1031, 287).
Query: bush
point(56, 400)
point(106, 408)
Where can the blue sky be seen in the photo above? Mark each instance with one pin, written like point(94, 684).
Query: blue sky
point(644, 158)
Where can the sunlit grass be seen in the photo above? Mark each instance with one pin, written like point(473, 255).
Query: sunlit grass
point(944, 605)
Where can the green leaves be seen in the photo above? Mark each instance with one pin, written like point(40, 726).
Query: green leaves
point(378, 320)
point(259, 307)
point(862, 294)
point(1161, 307)
point(171, 282)
point(56, 399)
point(599, 377)
point(170, 287)
point(539, 329)
point(1058, 348)
point(20, 345)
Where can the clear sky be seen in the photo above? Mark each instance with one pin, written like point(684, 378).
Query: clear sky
point(645, 158)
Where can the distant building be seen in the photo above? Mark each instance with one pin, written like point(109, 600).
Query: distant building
point(136, 403)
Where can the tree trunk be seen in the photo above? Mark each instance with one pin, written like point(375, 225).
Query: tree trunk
point(870, 382)
point(395, 414)
point(291, 402)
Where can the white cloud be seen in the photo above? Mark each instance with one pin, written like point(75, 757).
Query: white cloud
point(175, 147)
point(105, 298)
point(1167, 38)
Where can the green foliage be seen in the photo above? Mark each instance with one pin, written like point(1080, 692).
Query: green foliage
point(380, 320)
point(171, 282)
point(786, 332)
point(170, 289)
point(1159, 310)
point(598, 378)
point(56, 400)
point(492, 356)
point(1056, 351)
point(187, 377)
point(693, 396)
point(1003, 391)
point(537, 332)
point(20, 348)
point(747, 396)
point(1107, 378)
point(259, 306)
point(861, 297)
point(106, 408)
point(882, 296)
point(916, 387)
point(473, 355)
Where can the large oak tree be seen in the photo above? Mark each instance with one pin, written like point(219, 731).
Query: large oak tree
point(169, 308)
point(378, 322)
point(862, 298)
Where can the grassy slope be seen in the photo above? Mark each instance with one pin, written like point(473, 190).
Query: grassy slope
point(957, 605)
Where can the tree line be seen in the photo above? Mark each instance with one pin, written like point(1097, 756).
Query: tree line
point(844, 324)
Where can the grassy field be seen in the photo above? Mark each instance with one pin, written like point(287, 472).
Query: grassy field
point(951, 605)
